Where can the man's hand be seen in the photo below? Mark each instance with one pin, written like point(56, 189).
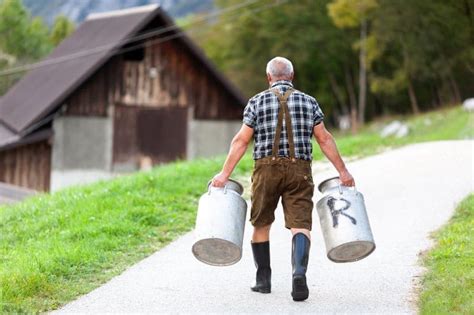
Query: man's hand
point(219, 180)
point(346, 178)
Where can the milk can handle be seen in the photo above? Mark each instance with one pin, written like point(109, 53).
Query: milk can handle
point(209, 189)
point(339, 186)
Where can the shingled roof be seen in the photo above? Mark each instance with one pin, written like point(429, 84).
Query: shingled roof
point(42, 90)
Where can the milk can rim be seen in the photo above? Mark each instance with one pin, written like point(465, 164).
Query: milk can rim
point(241, 187)
point(325, 181)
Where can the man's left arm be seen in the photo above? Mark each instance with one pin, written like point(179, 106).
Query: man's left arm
point(238, 147)
point(328, 147)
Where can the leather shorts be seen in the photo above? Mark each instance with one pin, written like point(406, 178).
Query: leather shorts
point(289, 179)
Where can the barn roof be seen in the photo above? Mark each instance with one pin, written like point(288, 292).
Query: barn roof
point(6, 135)
point(42, 90)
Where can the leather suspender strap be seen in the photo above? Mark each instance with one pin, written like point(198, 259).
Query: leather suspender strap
point(283, 112)
point(276, 140)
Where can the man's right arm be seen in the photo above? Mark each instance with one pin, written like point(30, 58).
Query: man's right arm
point(328, 147)
point(238, 147)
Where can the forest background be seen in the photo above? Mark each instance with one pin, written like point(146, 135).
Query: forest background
point(360, 59)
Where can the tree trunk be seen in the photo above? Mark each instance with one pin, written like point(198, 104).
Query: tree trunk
point(338, 94)
point(362, 71)
point(413, 100)
point(455, 88)
point(468, 10)
point(438, 94)
point(352, 100)
point(434, 96)
point(447, 92)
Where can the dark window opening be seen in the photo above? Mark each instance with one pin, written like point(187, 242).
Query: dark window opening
point(137, 54)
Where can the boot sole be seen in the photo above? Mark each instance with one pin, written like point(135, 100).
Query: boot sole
point(261, 290)
point(300, 289)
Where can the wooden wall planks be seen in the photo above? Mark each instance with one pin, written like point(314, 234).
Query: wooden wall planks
point(168, 76)
point(27, 166)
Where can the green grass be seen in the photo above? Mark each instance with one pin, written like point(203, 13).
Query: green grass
point(445, 124)
point(448, 287)
point(59, 246)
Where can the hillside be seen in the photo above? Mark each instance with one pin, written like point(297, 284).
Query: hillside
point(78, 10)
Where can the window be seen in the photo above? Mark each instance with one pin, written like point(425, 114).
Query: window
point(136, 54)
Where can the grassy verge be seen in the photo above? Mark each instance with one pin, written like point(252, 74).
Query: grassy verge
point(446, 124)
point(57, 247)
point(448, 287)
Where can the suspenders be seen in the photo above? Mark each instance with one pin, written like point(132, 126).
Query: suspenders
point(283, 112)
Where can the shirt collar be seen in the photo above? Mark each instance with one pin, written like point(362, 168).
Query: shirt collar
point(282, 82)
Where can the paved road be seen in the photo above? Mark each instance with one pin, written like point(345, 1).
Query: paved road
point(409, 192)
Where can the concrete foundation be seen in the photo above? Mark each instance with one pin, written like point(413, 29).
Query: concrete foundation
point(82, 145)
point(82, 148)
point(208, 138)
point(66, 178)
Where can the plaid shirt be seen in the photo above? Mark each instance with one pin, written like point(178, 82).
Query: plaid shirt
point(261, 114)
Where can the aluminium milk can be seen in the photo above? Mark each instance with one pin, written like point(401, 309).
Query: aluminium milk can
point(220, 225)
point(344, 222)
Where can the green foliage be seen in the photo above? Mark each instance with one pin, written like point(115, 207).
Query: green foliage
point(349, 13)
point(389, 85)
point(20, 35)
point(37, 44)
point(299, 30)
point(425, 44)
point(448, 287)
point(61, 29)
point(24, 39)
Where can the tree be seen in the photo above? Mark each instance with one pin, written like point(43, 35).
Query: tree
point(412, 54)
point(24, 39)
point(302, 31)
point(20, 35)
point(394, 29)
point(61, 29)
point(350, 14)
point(422, 41)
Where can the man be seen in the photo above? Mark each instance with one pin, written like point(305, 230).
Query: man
point(281, 121)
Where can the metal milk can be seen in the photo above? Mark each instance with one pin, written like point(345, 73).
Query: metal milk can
point(220, 225)
point(344, 222)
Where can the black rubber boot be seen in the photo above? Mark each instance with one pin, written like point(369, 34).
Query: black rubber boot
point(299, 259)
point(261, 257)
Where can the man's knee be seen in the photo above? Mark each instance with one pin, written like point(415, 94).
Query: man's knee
point(262, 228)
point(304, 231)
point(261, 233)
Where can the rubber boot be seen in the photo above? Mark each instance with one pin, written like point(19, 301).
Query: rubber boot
point(261, 257)
point(299, 258)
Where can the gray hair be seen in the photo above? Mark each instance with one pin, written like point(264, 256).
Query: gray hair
point(280, 67)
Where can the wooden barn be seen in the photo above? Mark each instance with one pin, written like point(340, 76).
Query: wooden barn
point(126, 90)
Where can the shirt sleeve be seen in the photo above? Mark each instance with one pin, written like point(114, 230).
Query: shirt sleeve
point(318, 115)
point(250, 117)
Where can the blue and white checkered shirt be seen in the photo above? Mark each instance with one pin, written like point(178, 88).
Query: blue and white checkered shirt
point(261, 114)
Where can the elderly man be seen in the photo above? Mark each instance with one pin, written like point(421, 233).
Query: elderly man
point(281, 120)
